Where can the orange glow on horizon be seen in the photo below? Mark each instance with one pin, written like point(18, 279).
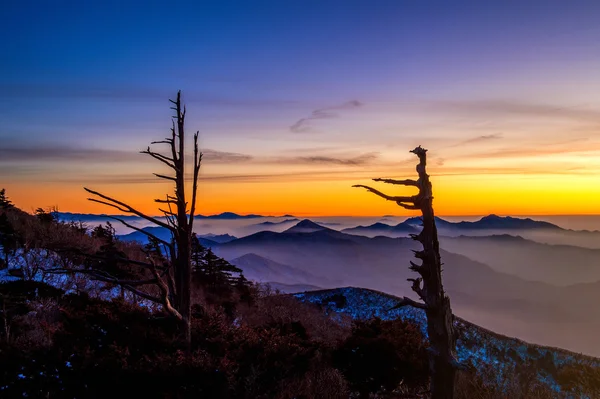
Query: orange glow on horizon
point(454, 196)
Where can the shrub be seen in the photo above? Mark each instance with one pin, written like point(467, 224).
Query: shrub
point(381, 355)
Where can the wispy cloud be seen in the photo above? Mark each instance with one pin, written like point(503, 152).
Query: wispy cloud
point(224, 157)
point(360, 160)
point(505, 107)
point(23, 153)
point(303, 125)
point(579, 146)
point(33, 153)
point(478, 139)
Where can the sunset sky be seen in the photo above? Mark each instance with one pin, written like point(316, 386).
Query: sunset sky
point(296, 101)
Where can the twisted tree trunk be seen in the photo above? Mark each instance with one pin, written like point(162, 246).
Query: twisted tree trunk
point(428, 285)
point(173, 279)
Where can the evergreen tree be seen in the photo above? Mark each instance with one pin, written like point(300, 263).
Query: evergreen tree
point(8, 239)
point(109, 257)
point(212, 271)
point(4, 201)
point(46, 217)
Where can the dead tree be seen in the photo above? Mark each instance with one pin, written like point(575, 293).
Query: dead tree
point(172, 279)
point(428, 286)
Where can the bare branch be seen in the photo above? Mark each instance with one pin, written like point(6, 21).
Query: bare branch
point(166, 160)
point(108, 204)
point(407, 182)
point(416, 286)
point(164, 291)
point(169, 213)
point(127, 208)
point(141, 230)
point(165, 177)
point(408, 206)
point(197, 161)
point(167, 201)
point(409, 302)
point(387, 197)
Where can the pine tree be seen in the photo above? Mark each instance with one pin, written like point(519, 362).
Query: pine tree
point(8, 236)
point(5, 203)
point(46, 217)
point(212, 271)
point(109, 258)
point(8, 239)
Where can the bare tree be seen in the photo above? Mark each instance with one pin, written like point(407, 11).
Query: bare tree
point(428, 285)
point(171, 279)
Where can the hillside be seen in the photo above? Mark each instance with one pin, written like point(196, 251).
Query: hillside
point(260, 269)
point(475, 345)
point(534, 311)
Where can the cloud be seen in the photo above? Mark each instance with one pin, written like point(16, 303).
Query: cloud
point(504, 107)
point(355, 161)
point(485, 137)
point(579, 146)
point(137, 178)
point(214, 156)
point(32, 153)
point(303, 125)
point(362, 159)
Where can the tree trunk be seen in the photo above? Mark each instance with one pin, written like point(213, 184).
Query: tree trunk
point(174, 280)
point(428, 286)
point(184, 230)
point(184, 271)
point(440, 327)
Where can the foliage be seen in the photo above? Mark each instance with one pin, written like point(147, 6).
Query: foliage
point(381, 355)
point(5, 203)
point(8, 239)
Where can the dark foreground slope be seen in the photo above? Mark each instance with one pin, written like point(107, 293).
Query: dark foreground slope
point(476, 346)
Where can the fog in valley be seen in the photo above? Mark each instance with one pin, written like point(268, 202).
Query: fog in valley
point(535, 279)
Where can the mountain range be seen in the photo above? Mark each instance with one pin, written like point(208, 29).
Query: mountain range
point(532, 310)
point(485, 224)
point(500, 272)
point(84, 217)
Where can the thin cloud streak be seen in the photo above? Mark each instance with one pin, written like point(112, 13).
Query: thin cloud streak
point(537, 150)
point(303, 125)
point(224, 157)
point(504, 107)
point(363, 159)
point(34, 153)
point(478, 139)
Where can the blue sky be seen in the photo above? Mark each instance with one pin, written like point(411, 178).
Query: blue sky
point(300, 86)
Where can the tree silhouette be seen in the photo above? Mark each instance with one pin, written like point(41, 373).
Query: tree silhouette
point(5, 203)
point(8, 239)
point(213, 271)
point(8, 236)
point(428, 285)
point(171, 279)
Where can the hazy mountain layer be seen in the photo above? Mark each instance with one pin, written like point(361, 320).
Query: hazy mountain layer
point(565, 317)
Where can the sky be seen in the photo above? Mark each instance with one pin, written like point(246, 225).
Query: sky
point(296, 101)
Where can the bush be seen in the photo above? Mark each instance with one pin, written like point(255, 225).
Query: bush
point(381, 355)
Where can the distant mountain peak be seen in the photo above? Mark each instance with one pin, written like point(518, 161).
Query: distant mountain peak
point(492, 217)
point(305, 226)
point(509, 222)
